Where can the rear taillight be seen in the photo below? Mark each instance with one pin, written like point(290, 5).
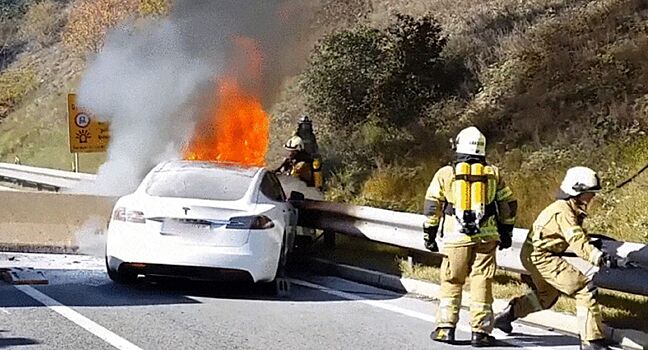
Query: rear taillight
point(134, 216)
point(255, 222)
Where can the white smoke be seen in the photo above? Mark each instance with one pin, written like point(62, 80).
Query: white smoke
point(91, 238)
point(154, 80)
point(144, 90)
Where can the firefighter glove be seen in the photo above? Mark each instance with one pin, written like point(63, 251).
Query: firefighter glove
point(429, 236)
point(506, 236)
point(615, 262)
point(610, 261)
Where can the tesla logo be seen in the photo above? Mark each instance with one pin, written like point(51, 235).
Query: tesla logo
point(186, 210)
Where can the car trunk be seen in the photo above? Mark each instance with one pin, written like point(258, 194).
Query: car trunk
point(198, 222)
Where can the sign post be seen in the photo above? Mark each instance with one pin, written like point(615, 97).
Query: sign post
point(86, 133)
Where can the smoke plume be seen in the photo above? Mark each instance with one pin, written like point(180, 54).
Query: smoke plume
point(154, 79)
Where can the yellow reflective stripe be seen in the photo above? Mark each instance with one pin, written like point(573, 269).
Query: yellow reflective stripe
point(481, 307)
point(433, 221)
point(483, 236)
point(509, 221)
point(504, 195)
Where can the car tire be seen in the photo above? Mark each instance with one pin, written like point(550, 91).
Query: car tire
point(120, 277)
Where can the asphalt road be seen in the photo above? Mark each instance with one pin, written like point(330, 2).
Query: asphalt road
point(81, 308)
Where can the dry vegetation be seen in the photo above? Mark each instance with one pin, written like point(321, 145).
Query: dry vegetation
point(45, 45)
point(553, 84)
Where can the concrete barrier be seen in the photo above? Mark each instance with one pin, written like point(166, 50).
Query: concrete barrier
point(48, 221)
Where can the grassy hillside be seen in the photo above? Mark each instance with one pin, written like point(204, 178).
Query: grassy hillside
point(552, 83)
point(46, 46)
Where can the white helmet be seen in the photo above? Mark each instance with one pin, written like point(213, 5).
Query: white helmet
point(471, 141)
point(294, 143)
point(579, 180)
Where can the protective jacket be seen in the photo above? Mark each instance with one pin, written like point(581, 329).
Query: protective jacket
point(441, 203)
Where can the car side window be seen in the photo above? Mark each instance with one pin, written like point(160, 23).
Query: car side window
point(271, 188)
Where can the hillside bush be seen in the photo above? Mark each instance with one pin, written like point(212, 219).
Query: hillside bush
point(389, 75)
point(13, 9)
point(154, 7)
point(14, 85)
point(41, 25)
point(90, 20)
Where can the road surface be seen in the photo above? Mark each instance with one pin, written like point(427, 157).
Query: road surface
point(81, 308)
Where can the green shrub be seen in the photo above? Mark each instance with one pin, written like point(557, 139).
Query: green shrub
point(14, 85)
point(90, 20)
point(154, 7)
point(41, 24)
point(12, 9)
point(345, 69)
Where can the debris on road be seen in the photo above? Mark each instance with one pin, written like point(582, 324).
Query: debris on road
point(19, 275)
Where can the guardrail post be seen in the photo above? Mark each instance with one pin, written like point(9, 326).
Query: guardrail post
point(329, 239)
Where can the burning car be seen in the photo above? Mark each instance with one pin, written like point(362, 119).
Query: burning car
point(204, 221)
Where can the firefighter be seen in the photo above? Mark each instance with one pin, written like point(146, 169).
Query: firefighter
point(558, 227)
point(305, 131)
point(478, 211)
point(299, 163)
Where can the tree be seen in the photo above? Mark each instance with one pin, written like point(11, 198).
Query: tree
point(344, 71)
point(389, 76)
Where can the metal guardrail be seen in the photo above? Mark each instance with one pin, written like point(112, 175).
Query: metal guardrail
point(388, 227)
point(41, 178)
point(405, 230)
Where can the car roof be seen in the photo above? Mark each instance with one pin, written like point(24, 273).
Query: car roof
point(179, 165)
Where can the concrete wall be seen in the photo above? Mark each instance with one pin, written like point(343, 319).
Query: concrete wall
point(40, 219)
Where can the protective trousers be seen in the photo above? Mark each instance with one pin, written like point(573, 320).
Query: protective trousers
point(477, 261)
point(552, 276)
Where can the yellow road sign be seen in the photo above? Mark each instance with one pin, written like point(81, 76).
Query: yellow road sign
point(86, 133)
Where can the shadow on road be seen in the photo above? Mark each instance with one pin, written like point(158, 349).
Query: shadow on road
point(15, 341)
point(533, 340)
point(94, 289)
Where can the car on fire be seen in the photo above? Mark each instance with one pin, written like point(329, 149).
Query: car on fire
point(203, 221)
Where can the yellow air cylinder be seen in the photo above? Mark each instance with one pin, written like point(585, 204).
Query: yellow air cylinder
point(478, 190)
point(318, 181)
point(462, 188)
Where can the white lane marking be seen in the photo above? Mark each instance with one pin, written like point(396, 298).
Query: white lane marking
point(5, 311)
point(376, 303)
point(415, 314)
point(82, 321)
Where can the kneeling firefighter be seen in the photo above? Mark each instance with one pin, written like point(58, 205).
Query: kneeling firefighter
point(558, 227)
point(298, 163)
point(478, 211)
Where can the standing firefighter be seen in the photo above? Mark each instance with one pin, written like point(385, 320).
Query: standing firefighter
point(558, 227)
point(305, 131)
point(478, 211)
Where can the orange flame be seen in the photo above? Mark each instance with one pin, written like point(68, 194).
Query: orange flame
point(237, 129)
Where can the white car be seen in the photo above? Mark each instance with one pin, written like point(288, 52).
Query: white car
point(203, 221)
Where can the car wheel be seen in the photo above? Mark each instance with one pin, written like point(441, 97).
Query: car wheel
point(120, 277)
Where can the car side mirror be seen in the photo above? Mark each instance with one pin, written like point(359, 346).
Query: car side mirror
point(296, 196)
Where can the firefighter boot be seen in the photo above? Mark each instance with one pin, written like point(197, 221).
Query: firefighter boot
point(599, 344)
point(482, 340)
point(503, 319)
point(443, 335)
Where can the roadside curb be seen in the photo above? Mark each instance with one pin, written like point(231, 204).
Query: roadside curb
point(38, 248)
point(628, 338)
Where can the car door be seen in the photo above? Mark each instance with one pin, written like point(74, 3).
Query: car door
point(271, 188)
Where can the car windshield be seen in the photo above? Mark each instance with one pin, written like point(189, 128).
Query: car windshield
point(201, 182)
